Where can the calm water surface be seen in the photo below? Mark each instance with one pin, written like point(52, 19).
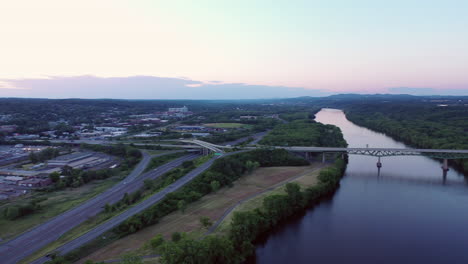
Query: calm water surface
point(407, 213)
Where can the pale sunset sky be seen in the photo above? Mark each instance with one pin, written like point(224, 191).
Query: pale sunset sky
point(216, 49)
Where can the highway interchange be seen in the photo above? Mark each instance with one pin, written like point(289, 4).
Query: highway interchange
point(22, 246)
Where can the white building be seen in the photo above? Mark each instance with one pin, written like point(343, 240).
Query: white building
point(181, 109)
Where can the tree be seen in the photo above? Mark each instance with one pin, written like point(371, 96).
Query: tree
point(156, 241)
point(33, 157)
point(252, 165)
point(67, 170)
point(54, 176)
point(182, 205)
point(108, 208)
point(176, 236)
point(295, 196)
point(205, 221)
point(214, 186)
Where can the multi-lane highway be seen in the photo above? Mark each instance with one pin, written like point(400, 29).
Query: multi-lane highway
point(32, 240)
point(115, 221)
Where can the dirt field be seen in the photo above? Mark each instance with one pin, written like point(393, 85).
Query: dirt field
point(212, 205)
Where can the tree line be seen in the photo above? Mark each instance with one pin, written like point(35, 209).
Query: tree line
point(304, 132)
point(43, 155)
point(248, 226)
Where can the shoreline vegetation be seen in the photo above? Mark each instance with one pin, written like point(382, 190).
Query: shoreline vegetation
point(247, 227)
point(217, 207)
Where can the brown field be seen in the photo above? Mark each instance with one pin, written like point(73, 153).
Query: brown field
point(212, 205)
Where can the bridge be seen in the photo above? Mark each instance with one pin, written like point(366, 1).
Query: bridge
point(206, 147)
point(444, 154)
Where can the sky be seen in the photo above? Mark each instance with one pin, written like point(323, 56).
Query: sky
point(215, 49)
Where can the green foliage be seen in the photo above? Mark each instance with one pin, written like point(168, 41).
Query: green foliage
point(176, 236)
point(205, 221)
point(304, 133)
point(252, 165)
point(182, 205)
point(212, 249)
point(13, 212)
point(156, 241)
point(296, 116)
point(214, 186)
point(54, 176)
point(43, 155)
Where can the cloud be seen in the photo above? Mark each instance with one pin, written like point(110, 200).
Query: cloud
point(144, 87)
point(427, 91)
point(8, 85)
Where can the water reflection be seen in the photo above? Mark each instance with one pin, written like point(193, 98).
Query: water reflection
point(408, 212)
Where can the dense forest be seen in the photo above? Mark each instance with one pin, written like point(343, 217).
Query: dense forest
point(304, 132)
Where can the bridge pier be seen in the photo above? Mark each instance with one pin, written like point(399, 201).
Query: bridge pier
point(307, 155)
point(379, 164)
point(323, 157)
point(205, 151)
point(445, 167)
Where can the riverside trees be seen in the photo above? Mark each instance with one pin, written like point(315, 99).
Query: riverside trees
point(247, 226)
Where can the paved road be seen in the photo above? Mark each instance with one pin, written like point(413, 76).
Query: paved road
point(257, 137)
point(32, 240)
point(116, 220)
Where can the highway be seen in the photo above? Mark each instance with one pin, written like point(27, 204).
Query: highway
point(257, 137)
point(34, 239)
point(116, 220)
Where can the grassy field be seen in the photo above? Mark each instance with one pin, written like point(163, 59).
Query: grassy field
point(212, 206)
point(226, 125)
point(305, 179)
point(57, 202)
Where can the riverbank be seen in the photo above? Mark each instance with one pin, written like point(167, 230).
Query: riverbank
point(406, 212)
point(214, 206)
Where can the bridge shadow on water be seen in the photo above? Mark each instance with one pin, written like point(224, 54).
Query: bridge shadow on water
point(422, 179)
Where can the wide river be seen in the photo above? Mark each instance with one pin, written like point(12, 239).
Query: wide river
point(407, 213)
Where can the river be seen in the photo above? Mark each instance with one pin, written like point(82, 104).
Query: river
point(407, 213)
